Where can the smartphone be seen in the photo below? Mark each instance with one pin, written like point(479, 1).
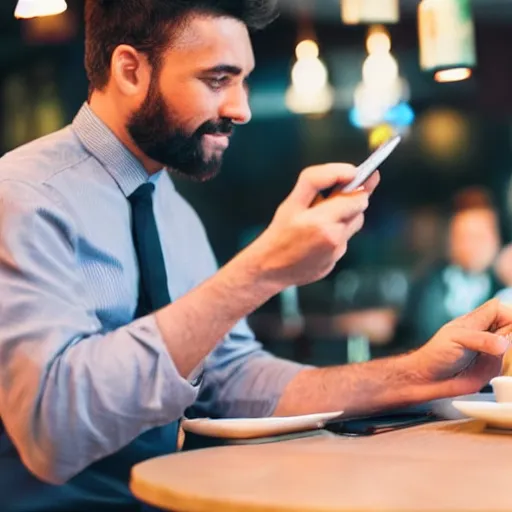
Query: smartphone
point(367, 168)
point(373, 425)
point(371, 164)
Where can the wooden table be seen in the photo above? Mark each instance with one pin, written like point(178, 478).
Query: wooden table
point(450, 467)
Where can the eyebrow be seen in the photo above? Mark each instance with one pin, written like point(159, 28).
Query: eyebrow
point(225, 68)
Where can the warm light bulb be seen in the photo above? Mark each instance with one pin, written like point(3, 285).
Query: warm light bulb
point(310, 92)
point(318, 103)
point(452, 75)
point(309, 75)
point(371, 105)
point(36, 8)
point(378, 40)
point(307, 49)
point(380, 70)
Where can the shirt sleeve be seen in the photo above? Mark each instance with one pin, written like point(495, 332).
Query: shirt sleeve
point(241, 380)
point(70, 394)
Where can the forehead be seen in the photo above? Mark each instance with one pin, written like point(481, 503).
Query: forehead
point(474, 219)
point(208, 41)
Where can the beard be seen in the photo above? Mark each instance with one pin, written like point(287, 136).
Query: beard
point(158, 134)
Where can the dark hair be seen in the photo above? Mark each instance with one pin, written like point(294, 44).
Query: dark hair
point(148, 26)
point(472, 198)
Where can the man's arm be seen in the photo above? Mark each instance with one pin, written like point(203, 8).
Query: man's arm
point(355, 389)
point(71, 394)
point(302, 245)
point(241, 380)
point(461, 358)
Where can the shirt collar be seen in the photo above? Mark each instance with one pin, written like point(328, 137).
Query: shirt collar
point(127, 171)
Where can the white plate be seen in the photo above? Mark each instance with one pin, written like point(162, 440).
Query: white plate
point(251, 428)
point(498, 415)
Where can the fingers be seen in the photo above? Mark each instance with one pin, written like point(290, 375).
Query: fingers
point(479, 341)
point(372, 183)
point(341, 207)
point(472, 380)
point(369, 187)
point(493, 316)
point(315, 179)
point(355, 225)
point(503, 322)
point(342, 233)
point(485, 317)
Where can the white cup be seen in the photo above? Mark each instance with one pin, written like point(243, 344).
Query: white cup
point(502, 387)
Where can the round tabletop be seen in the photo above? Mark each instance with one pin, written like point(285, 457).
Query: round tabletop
point(439, 467)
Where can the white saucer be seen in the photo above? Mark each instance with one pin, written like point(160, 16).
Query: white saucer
point(251, 428)
point(498, 415)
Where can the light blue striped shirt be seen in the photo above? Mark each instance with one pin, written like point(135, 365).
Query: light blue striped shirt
point(80, 380)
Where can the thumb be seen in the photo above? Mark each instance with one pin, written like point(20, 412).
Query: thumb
point(480, 341)
point(315, 179)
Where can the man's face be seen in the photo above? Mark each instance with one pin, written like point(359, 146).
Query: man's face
point(199, 95)
point(474, 239)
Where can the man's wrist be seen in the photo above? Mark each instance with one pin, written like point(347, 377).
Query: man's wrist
point(250, 268)
point(417, 387)
point(410, 366)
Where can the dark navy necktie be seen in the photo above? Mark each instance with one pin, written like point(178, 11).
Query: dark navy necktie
point(153, 289)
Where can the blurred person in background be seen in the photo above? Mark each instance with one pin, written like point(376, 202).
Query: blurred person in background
point(463, 280)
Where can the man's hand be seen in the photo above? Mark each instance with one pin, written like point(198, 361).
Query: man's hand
point(308, 237)
point(460, 359)
point(466, 353)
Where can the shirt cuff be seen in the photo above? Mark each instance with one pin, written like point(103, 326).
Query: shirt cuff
point(174, 391)
point(262, 383)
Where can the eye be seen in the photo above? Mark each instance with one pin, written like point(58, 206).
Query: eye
point(217, 83)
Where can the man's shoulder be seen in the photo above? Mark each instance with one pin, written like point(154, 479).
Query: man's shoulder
point(38, 161)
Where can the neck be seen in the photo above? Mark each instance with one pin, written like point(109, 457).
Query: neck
point(109, 114)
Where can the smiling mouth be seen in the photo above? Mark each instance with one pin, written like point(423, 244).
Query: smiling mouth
point(218, 139)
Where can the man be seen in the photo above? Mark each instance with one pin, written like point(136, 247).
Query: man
point(460, 283)
point(109, 332)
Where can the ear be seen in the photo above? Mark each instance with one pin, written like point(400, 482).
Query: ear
point(130, 71)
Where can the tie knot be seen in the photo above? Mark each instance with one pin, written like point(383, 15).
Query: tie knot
point(142, 194)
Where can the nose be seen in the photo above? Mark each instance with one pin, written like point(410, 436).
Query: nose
point(236, 106)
